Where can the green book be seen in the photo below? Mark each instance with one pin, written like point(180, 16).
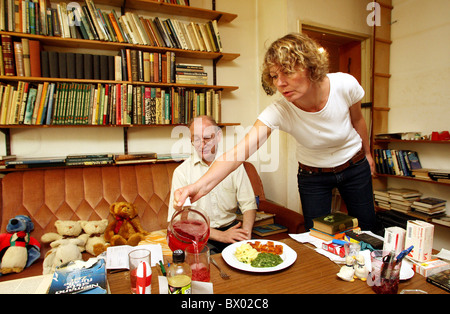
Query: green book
point(335, 222)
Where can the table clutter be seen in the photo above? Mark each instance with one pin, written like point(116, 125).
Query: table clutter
point(349, 262)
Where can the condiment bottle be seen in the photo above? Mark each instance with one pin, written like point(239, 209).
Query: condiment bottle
point(179, 275)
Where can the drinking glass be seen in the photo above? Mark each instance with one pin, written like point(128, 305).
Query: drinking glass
point(199, 262)
point(137, 257)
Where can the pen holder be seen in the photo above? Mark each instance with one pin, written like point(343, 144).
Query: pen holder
point(384, 277)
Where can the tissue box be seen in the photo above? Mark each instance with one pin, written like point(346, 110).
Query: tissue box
point(431, 267)
point(420, 234)
point(394, 239)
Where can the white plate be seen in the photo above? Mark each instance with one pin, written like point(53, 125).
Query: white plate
point(289, 256)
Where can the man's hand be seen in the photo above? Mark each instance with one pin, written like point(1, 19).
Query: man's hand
point(232, 235)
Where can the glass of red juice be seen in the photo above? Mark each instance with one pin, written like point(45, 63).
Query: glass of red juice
point(188, 226)
point(135, 257)
point(199, 262)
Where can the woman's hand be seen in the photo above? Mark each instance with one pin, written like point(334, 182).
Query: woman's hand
point(182, 194)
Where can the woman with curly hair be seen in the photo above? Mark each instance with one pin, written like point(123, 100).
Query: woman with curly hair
point(322, 111)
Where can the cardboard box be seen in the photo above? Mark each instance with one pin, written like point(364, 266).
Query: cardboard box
point(394, 239)
point(334, 248)
point(420, 234)
point(431, 267)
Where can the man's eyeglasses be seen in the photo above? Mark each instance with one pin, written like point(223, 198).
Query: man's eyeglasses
point(197, 141)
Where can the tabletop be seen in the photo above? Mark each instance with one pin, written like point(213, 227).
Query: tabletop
point(311, 273)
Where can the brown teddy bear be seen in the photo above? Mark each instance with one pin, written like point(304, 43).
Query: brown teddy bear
point(126, 228)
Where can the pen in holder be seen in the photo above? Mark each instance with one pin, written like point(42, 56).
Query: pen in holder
point(385, 274)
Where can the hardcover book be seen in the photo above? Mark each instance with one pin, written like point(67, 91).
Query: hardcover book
point(335, 222)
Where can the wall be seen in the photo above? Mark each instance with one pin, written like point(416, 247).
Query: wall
point(418, 92)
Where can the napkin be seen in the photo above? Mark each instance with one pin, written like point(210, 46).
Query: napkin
point(198, 287)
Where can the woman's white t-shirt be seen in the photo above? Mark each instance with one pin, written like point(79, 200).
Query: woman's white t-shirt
point(326, 138)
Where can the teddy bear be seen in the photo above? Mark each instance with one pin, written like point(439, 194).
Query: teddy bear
point(93, 236)
point(62, 252)
point(126, 228)
point(18, 249)
point(65, 229)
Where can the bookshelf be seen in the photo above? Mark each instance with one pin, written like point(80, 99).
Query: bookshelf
point(386, 143)
point(111, 47)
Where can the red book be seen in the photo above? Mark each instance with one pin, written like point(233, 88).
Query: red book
point(35, 57)
point(8, 55)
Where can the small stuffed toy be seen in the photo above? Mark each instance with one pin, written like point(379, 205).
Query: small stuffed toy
point(93, 236)
point(66, 229)
point(126, 228)
point(18, 249)
point(347, 271)
point(63, 251)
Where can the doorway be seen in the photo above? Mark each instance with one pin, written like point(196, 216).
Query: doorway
point(348, 53)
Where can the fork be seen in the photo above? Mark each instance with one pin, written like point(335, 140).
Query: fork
point(223, 274)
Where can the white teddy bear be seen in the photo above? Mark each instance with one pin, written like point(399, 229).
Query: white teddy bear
point(93, 236)
point(63, 251)
point(66, 229)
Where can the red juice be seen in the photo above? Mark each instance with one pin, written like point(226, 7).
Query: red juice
point(200, 272)
point(133, 279)
point(186, 233)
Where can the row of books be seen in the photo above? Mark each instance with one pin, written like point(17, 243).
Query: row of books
point(8, 162)
point(21, 58)
point(130, 65)
point(409, 200)
point(72, 20)
point(103, 104)
point(396, 162)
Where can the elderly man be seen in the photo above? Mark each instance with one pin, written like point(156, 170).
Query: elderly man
point(221, 203)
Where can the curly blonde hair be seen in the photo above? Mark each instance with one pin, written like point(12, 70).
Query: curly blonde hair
point(293, 52)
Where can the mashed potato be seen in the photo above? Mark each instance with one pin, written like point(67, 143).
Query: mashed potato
point(245, 253)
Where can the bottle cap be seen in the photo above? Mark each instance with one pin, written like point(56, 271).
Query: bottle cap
point(178, 256)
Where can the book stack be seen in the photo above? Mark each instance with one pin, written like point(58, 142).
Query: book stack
point(382, 199)
point(86, 21)
point(191, 74)
point(430, 206)
point(440, 175)
point(333, 226)
point(402, 199)
point(3, 160)
point(265, 224)
point(135, 158)
point(36, 162)
point(89, 160)
point(422, 174)
point(396, 162)
point(103, 104)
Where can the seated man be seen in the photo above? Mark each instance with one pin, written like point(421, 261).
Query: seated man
point(221, 203)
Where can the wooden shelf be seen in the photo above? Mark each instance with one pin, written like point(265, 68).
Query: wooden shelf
point(44, 126)
point(175, 9)
point(115, 46)
point(162, 85)
point(410, 141)
point(411, 178)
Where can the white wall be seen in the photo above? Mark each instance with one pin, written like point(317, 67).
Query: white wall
point(419, 90)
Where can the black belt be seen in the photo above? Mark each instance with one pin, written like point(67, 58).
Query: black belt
point(358, 157)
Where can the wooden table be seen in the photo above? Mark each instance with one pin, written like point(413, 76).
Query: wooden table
point(311, 273)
